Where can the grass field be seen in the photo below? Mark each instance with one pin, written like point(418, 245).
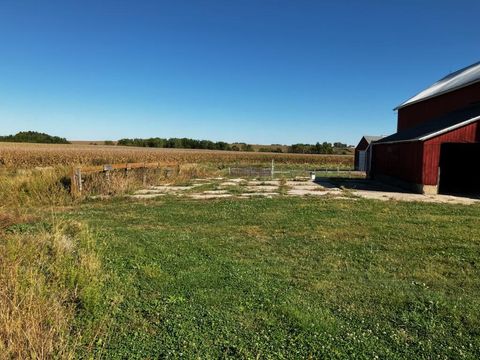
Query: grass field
point(288, 278)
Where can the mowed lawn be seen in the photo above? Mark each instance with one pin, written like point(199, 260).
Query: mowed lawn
point(287, 278)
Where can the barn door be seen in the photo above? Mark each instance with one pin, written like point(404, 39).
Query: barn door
point(459, 170)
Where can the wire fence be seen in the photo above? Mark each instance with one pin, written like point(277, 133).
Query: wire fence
point(272, 172)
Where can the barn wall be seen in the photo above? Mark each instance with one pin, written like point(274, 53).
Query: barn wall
point(431, 157)
point(420, 112)
point(399, 160)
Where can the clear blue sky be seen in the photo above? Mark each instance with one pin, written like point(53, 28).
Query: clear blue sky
point(259, 71)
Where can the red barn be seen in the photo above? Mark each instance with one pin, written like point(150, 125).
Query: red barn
point(437, 144)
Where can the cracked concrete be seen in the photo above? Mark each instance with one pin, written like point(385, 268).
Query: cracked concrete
point(350, 189)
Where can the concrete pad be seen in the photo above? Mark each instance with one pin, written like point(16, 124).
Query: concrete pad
point(261, 188)
point(237, 180)
point(147, 191)
point(321, 187)
point(209, 196)
point(303, 192)
point(397, 196)
point(147, 196)
point(170, 188)
point(257, 194)
point(300, 183)
point(213, 192)
point(229, 183)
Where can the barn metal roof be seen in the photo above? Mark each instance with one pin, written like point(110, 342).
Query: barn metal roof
point(435, 127)
point(453, 81)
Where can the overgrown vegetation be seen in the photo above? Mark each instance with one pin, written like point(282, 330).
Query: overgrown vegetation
point(35, 187)
point(34, 137)
point(50, 278)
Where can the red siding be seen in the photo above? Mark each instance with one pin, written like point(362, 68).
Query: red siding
point(431, 151)
point(420, 112)
point(401, 160)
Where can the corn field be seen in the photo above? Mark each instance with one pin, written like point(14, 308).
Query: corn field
point(24, 155)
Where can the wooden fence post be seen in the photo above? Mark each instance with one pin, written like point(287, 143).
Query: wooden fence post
point(144, 175)
point(76, 182)
point(73, 187)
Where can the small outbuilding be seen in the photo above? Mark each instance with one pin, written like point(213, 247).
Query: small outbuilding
point(361, 151)
point(436, 148)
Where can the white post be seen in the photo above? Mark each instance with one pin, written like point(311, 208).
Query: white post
point(79, 179)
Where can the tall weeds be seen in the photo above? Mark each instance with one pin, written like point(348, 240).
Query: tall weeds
point(49, 273)
point(34, 187)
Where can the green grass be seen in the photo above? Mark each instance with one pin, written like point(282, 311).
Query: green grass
point(288, 278)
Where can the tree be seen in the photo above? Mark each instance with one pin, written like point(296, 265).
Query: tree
point(34, 137)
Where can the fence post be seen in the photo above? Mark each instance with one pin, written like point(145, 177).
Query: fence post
point(76, 181)
point(273, 168)
point(73, 185)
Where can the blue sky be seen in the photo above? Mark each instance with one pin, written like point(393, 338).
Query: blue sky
point(258, 71)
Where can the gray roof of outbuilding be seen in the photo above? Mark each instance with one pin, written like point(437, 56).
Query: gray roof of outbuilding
point(453, 81)
point(435, 127)
point(370, 139)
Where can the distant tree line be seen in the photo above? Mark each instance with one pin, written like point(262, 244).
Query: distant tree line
point(242, 147)
point(176, 143)
point(271, 149)
point(186, 143)
point(324, 148)
point(34, 137)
